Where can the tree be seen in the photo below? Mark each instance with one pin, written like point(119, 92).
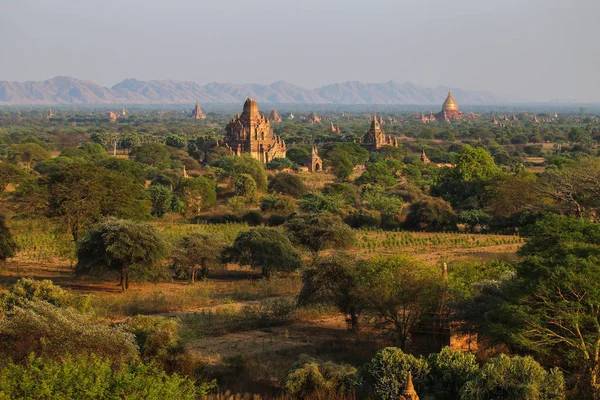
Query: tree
point(431, 214)
point(267, 249)
point(161, 199)
point(245, 164)
point(282, 163)
point(197, 250)
point(8, 246)
point(245, 186)
point(298, 154)
point(377, 173)
point(399, 290)
point(385, 376)
point(198, 193)
point(10, 174)
point(287, 184)
point(449, 371)
point(131, 248)
point(320, 231)
point(152, 154)
point(514, 378)
point(81, 194)
point(313, 378)
point(575, 189)
point(27, 154)
point(317, 203)
point(333, 281)
point(341, 163)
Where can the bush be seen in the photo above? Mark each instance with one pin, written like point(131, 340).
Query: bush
point(363, 219)
point(279, 204)
point(93, 378)
point(25, 290)
point(8, 246)
point(39, 328)
point(252, 218)
point(314, 379)
point(157, 338)
point(450, 370)
point(505, 377)
point(287, 184)
point(386, 374)
point(276, 220)
point(431, 214)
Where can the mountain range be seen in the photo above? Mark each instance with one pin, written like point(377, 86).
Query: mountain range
point(68, 90)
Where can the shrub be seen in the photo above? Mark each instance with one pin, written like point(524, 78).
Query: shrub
point(431, 214)
point(315, 379)
point(279, 204)
point(450, 370)
point(505, 377)
point(363, 219)
point(93, 378)
point(245, 186)
point(385, 375)
point(8, 246)
point(45, 330)
point(288, 184)
point(157, 338)
point(252, 218)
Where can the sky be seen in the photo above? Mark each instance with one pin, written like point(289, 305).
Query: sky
point(537, 50)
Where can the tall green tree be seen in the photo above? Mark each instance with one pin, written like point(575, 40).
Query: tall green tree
point(197, 251)
point(133, 249)
point(400, 290)
point(267, 249)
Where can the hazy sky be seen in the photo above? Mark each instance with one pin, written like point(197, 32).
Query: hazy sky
point(535, 49)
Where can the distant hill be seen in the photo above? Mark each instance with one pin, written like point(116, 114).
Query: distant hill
point(67, 90)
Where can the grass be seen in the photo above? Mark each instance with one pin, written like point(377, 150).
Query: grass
point(169, 298)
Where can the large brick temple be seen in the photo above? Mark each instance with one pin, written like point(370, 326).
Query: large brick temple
point(375, 138)
point(251, 133)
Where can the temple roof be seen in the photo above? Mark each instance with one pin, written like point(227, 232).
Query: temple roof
point(375, 123)
point(250, 107)
point(450, 103)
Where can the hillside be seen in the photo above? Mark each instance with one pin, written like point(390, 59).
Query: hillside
point(67, 90)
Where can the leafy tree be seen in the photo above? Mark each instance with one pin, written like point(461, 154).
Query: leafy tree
point(197, 251)
point(8, 246)
point(514, 378)
point(10, 174)
point(399, 290)
point(313, 378)
point(282, 163)
point(265, 248)
point(198, 193)
point(236, 165)
point(298, 154)
point(36, 327)
point(119, 245)
point(333, 281)
point(341, 163)
point(385, 376)
point(161, 199)
point(245, 186)
point(129, 168)
point(279, 204)
point(82, 194)
point(318, 232)
point(431, 214)
point(574, 189)
point(27, 154)
point(377, 173)
point(287, 184)
point(514, 194)
point(94, 378)
point(153, 154)
point(449, 371)
point(317, 202)
point(178, 141)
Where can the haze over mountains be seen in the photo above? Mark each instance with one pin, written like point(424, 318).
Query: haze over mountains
point(67, 90)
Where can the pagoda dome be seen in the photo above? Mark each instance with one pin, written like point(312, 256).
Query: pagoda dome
point(250, 107)
point(450, 104)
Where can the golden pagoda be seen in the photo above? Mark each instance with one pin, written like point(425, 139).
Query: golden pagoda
point(450, 110)
point(409, 392)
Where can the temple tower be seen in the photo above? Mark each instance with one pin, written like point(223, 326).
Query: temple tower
point(197, 113)
point(450, 110)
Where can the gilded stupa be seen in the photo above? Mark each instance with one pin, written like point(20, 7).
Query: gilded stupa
point(450, 110)
point(409, 392)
